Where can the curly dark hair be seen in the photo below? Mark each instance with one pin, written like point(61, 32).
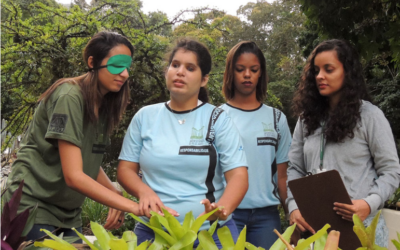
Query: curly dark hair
point(313, 108)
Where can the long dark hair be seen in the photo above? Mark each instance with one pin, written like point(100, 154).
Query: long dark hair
point(203, 59)
point(228, 87)
point(313, 108)
point(113, 104)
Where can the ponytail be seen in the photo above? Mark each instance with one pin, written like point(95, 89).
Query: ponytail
point(203, 94)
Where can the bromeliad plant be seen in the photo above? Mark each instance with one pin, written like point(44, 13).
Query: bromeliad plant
point(14, 228)
point(105, 240)
point(170, 234)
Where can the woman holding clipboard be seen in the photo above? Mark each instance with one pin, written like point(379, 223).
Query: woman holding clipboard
point(339, 128)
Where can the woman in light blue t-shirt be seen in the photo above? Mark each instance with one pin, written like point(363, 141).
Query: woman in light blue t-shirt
point(184, 147)
point(266, 138)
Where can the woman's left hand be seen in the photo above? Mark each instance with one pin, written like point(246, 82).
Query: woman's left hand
point(220, 214)
point(115, 219)
point(359, 207)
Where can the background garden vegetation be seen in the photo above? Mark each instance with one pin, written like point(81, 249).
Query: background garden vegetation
point(42, 41)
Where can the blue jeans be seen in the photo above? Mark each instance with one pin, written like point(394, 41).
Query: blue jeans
point(144, 233)
point(260, 223)
point(35, 232)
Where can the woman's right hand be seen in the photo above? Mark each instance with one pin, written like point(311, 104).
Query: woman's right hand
point(295, 217)
point(149, 201)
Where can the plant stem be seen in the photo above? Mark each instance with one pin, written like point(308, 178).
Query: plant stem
point(288, 246)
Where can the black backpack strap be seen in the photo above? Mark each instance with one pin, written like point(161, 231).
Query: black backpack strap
point(213, 119)
point(274, 167)
point(277, 117)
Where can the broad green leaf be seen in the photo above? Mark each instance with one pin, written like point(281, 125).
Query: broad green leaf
point(156, 246)
point(85, 240)
point(186, 240)
point(362, 236)
point(372, 227)
point(163, 221)
point(54, 245)
point(279, 245)
point(241, 241)
point(250, 246)
point(101, 235)
point(111, 235)
point(174, 225)
point(118, 244)
point(131, 239)
point(211, 230)
point(376, 247)
point(225, 237)
point(159, 242)
point(200, 220)
point(155, 222)
point(31, 221)
point(317, 235)
point(66, 245)
point(321, 242)
point(171, 241)
point(396, 244)
point(301, 241)
point(97, 244)
point(70, 239)
point(357, 221)
point(142, 246)
point(188, 221)
point(362, 248)
point(398, 236)
point(207, 241)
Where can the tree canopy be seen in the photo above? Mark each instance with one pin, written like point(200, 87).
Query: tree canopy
point(42, 41)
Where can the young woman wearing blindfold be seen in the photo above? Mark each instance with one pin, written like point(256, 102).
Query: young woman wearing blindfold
point(63, 148)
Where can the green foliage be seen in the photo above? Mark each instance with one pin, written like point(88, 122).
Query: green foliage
point(170, 234)
point(397, 243)
point(104, 241)
point(372, 26)
point(178, 236)
point(95, 212)
point(366, 235)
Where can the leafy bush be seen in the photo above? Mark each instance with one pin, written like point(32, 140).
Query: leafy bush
point(95, 212)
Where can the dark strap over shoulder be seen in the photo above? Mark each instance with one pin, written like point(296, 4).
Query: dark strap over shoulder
point(277, 117)
point(213, 119)
point(274, 167)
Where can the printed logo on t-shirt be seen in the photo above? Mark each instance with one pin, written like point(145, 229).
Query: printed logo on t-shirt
point(197, 137)
point(270, 135)
point(58, 123)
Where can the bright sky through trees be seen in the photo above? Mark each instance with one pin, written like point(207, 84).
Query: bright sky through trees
point(171, 8)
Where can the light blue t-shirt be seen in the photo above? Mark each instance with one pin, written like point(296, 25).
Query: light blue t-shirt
point(257, 130)
point(177, 161)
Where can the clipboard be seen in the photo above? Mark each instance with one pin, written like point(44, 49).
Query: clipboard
point(315, 195)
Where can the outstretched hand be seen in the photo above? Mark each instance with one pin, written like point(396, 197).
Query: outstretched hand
point(359, 207)
point(115, 219)
point(151, 202)
point(296, 217)
point(221, 214)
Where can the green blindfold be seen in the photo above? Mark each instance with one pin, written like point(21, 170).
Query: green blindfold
point(116, 64)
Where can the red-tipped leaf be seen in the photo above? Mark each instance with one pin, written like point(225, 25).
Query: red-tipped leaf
point(13, 204)
point(5, 246)
point(5, 221)
point(16, 228)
